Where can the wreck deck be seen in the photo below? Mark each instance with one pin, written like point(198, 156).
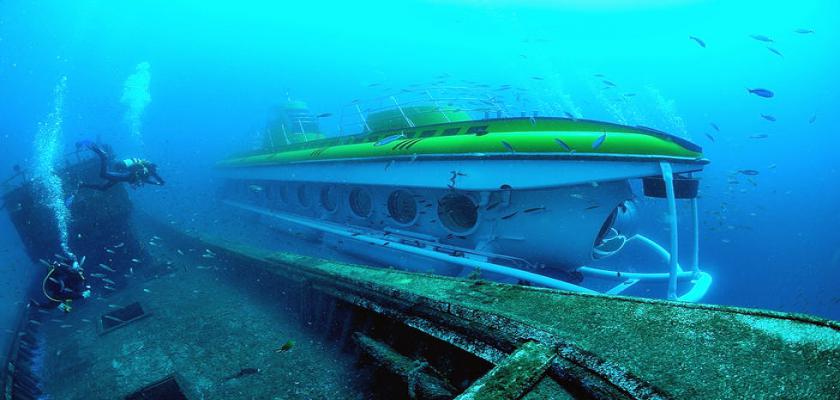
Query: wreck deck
point(527, 342)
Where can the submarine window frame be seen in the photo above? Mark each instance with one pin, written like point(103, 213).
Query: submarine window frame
point(302, 195)
point(451, 225)
point(391, 205)
point(354, 193)
point(326, 194)
point(451, 132)
point(426, 134)
point(282, 193)
point(478, 130)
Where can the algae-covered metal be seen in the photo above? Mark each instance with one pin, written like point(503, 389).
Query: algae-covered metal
point(606, 346)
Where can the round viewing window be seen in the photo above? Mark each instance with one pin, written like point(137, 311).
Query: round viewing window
point(328, 200)
point(402, 207)
point(303, 196)
point(458, 213)
point(360, 203)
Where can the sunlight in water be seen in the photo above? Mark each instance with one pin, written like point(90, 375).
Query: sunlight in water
point(136, 97)
point(48, 146)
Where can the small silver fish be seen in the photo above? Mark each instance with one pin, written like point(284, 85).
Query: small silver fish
point(208, 256)
point(118, 245)
point(180, 252)
point(113, 306)
point(136, 261)
point(147, 290)
point(508, 147)
point(598, 142)
point(97, 275)
point(108, 281)
point(34, 322)
point(66, 326)
point(107, 268)
point(389, 139)
point(562, 144)
point(110, 251)
point(762, 38)
point(110, 288)
point(774, 51)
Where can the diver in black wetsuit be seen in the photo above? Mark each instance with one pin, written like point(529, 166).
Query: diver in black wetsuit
point(133, 171)
point(64, 283)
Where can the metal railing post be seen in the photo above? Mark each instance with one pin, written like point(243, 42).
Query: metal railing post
point(408, 121)
point(668, 177)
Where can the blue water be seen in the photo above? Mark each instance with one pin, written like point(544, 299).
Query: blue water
point(207, 75)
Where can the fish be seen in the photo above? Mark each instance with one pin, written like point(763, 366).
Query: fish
point(155, 237)
point(598, 75)
point(255, 188)
point(712, 138)
point(120, 244)
point(136, 261)
point(66, 326)
point(598, 142)
point(179, 252)
point(768, 117)
point(812, 119)
point(112, 318)
point(111, 288)
point(208, 255)
point(714, 126)
point(535, 209)
point(509, 216)
point(286, 346)
point(698, 40)
point(608, 83)
point(762, 38)
point(147, 290)
point(759, 136)
point(323, 115)
point(570, 115)
point(748, 172)
point(508, 147)
point(107, 268)
point(562, 144)
point(804, 31)
point(98, 275)
point(577, 196)
point(761, 92)
point(774, 51)
point(629, 94)
point(592, 207)
point(243, 372)
point(106, 280)
point(110, 251)
point(34, 322)
point(113, 306)
point(537, 78)
point(389, 139)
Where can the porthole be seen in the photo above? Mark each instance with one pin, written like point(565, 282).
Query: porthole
point(402, 207)
point(303, 196)
point(360, 203)
point(283, 193)
point(458, 213)
point(328, 198)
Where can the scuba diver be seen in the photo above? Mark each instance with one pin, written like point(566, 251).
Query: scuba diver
point(65, 283)
point(133, 171)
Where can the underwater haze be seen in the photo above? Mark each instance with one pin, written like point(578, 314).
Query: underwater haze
point(187, 83)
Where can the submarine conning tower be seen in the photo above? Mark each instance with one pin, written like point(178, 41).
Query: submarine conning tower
point(292, 123)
